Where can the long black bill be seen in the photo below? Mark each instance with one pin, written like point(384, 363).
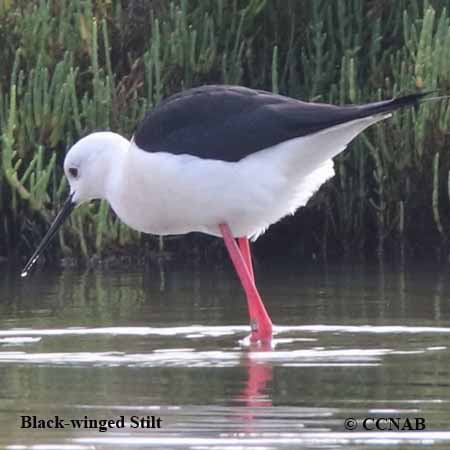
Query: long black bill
point(67, 208)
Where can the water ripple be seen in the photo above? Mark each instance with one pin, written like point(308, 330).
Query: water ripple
point(192, 358)
point(309, 354)
point(278, 440)
point(196, 331)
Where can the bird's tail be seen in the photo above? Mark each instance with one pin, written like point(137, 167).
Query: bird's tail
point(415, 100)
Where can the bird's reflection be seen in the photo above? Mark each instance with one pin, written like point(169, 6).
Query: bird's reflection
point(256, 392)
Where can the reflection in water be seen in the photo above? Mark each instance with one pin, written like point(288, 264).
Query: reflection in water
point(349, 342)
point(254, 394)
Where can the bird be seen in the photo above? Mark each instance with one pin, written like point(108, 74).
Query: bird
point(228, 161)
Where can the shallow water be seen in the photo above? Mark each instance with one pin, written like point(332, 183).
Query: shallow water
point(128, 345)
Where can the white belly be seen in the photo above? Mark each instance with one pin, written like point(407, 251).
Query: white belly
point(187, 194)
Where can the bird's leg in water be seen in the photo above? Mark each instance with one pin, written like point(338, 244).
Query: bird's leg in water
point(261, 325)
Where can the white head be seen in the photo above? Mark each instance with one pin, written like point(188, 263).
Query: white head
point(88, 167)
point(89, 163)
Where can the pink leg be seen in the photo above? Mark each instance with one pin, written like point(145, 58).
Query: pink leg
point(244, 245)
point(260, 322)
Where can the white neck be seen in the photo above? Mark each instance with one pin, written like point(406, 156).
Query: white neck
point(115, 163)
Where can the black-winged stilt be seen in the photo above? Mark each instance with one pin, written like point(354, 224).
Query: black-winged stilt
point(222, 160)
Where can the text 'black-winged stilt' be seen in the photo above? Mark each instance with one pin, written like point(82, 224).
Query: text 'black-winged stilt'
point(222, 160)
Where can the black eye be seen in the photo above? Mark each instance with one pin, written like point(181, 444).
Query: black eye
point(73, 171)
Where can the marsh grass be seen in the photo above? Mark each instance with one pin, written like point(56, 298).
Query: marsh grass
point(71, 67)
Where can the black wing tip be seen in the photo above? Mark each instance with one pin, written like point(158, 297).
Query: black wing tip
point(403, 101)
point(412, 99)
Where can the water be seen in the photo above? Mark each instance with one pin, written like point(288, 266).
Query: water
point(136, 346)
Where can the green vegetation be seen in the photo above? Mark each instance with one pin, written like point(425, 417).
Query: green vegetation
point(71, 67)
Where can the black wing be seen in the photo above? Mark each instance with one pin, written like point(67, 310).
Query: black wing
point(231, 122)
